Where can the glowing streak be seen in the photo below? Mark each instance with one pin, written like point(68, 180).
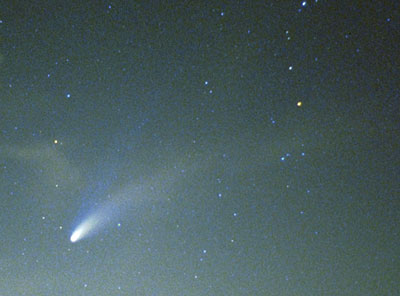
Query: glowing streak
point(85, 228)
point(109, 210)
point(76, 235)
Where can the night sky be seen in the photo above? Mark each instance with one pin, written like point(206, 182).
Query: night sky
point(199, 148)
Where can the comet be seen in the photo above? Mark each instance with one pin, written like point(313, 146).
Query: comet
point(123, 201)
point(85, 228)
point(76, 235)
point(103, 215)
point(96, 220)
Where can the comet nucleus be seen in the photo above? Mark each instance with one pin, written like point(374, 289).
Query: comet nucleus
point(76, 235)
point(85, 228)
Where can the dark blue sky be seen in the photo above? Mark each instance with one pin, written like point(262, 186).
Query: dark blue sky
point(218, 148)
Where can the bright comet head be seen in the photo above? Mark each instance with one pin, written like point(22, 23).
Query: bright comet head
point(88, 226)
point(76, 235)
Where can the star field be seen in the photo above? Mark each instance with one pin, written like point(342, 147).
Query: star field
point(212, 148)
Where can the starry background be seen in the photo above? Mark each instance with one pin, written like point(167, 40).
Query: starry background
point(254, 146)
